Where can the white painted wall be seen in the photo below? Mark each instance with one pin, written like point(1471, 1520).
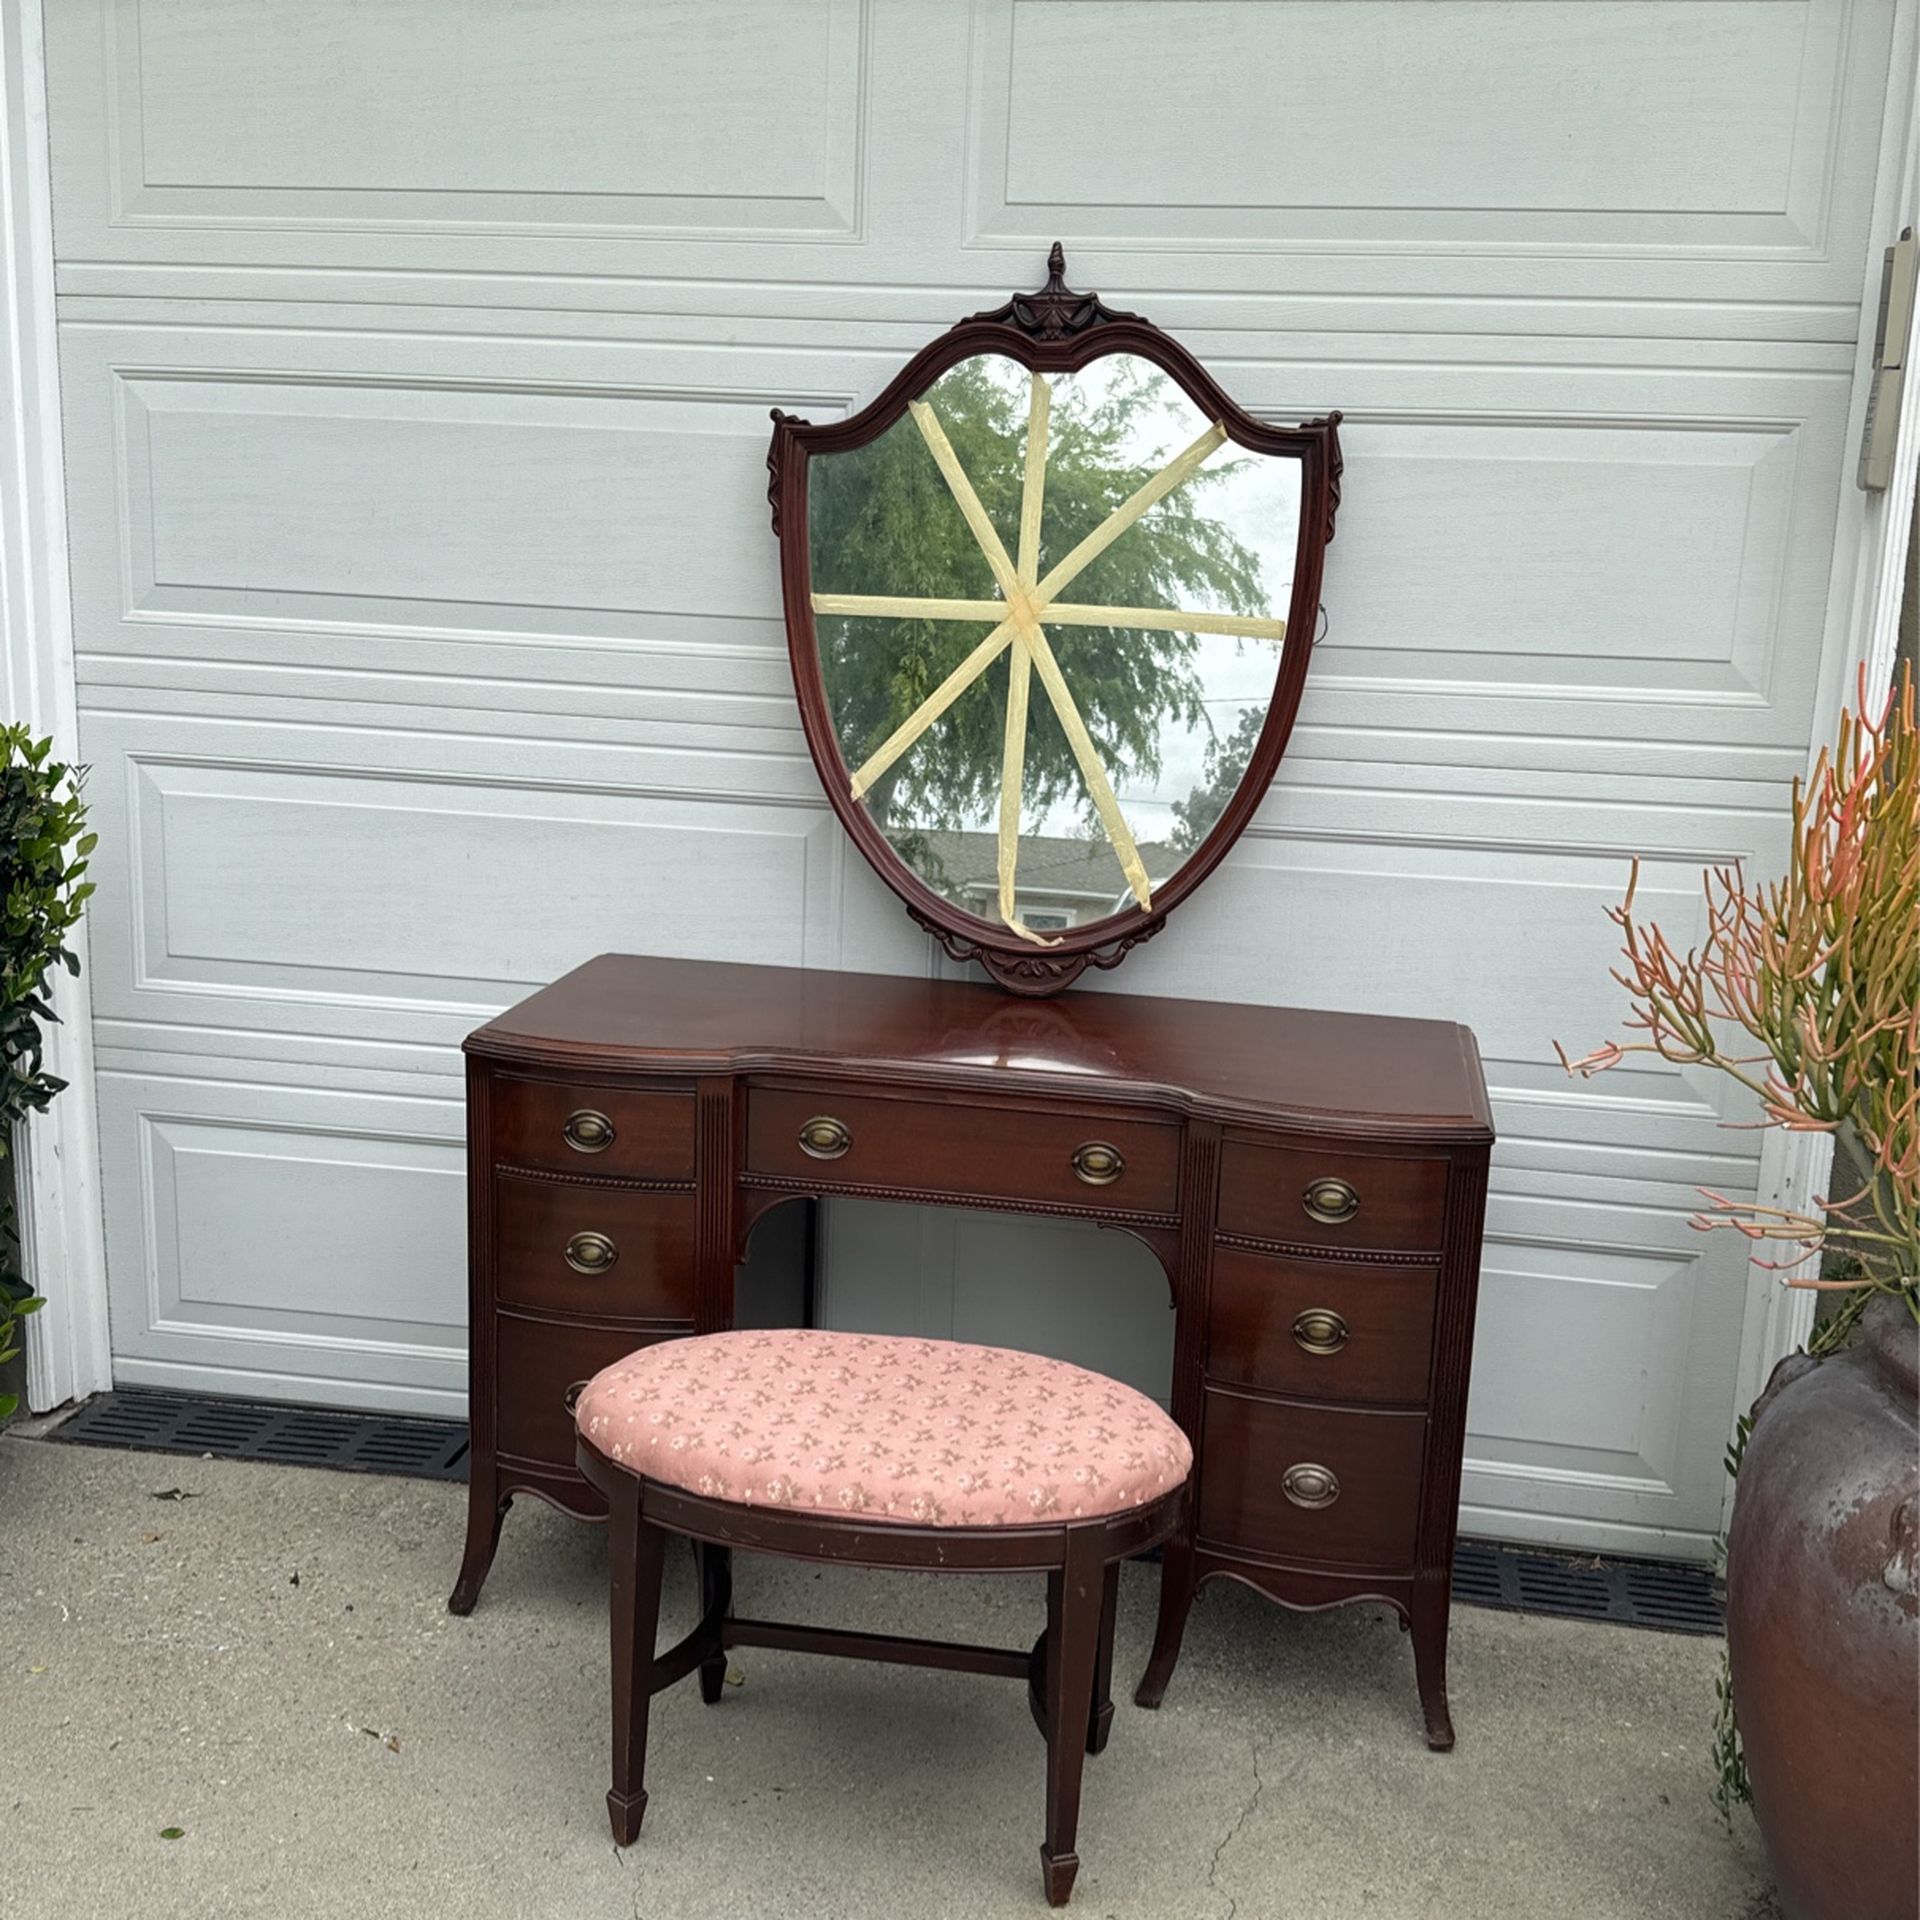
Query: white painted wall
point(416, 364)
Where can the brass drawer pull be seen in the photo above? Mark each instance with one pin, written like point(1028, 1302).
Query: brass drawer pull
point(571, 1397)
point(825, 1138)
point(587, 1130)
point(1332, 1202)
point(1321, 1331)
point(591, 1253)
point(1098, 1164)
point(1311, 1486)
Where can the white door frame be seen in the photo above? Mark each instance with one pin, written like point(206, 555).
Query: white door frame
point(68, 1353)
point(57, 1162)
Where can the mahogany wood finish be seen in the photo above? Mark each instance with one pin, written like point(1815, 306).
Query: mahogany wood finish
point(1056, 330)
point(1067, 1672)
point(1337, 1347)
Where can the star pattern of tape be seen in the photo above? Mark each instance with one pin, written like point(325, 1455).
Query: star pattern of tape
point(1019, 632)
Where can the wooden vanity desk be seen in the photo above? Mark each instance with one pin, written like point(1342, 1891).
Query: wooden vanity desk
point(1313, 1184)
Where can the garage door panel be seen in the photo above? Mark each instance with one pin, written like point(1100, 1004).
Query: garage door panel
point(1521, 556)
point(287, 1232)
point(1651, 148)
point(312, 880)
point(1623, 559)
point(545, 121)
point(293, 881)
point(1532, 554)
point(270, 496)
point(344, 497)
point(1733, 109)
point(1580, 1363)
point(1591, 1380)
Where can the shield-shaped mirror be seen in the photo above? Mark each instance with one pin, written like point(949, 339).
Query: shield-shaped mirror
point(1049, 603)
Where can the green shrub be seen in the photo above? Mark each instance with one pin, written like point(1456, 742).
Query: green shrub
point(43, 860)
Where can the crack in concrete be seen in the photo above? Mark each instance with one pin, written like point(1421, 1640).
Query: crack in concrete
point(1233, 1832)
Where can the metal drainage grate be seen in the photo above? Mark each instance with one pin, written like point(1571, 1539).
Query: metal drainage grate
point(150, 1422)
point(1660, 1594)
point(1635, 1593)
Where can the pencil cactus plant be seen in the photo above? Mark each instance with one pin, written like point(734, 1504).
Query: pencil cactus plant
point(43, 862)
point(1820, 972)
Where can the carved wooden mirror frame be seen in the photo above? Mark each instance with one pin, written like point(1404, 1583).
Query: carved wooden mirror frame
point(1055, 330)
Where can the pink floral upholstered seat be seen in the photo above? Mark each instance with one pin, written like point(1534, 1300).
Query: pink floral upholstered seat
point(925, 1432)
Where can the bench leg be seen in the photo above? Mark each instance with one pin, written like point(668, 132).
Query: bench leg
point(716, 1602)
point(1100, 1722)
point(637, 1552)
point(1075, 1602)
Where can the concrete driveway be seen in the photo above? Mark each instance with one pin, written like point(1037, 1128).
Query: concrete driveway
point(267, 1664)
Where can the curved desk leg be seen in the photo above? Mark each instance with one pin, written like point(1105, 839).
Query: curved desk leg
point(1429, 1626)
point(486, 1513)
point(1176, 1599)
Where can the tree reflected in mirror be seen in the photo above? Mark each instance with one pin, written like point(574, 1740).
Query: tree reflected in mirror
point(1093, 532)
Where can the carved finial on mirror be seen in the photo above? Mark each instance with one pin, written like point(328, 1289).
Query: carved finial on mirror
point(1056, 312)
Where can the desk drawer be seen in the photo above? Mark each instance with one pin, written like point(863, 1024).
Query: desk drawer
point(538, 1364)
point(619, 1253)
point(1311, 1483)
point(1092, 1160)
point(1321, 1329)
point(1331, 1196)
point(604, 1131)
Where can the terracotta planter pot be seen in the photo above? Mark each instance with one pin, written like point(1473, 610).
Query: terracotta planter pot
point(1823, 1624)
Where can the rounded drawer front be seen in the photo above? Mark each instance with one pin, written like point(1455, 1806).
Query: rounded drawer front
point(1336, 1198)
point(541, 1365)
point(599, 1132)
point(613, 1253)
point(1318, 1485)
point(1321, 1329)
point(1089, 1161)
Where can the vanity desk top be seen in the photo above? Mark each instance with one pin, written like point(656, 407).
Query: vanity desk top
point(1329, 1073)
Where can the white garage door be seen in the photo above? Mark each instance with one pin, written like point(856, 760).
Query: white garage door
point(416, 366)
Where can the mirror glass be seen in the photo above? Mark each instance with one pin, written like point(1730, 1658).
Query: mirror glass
point(1050, 610)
